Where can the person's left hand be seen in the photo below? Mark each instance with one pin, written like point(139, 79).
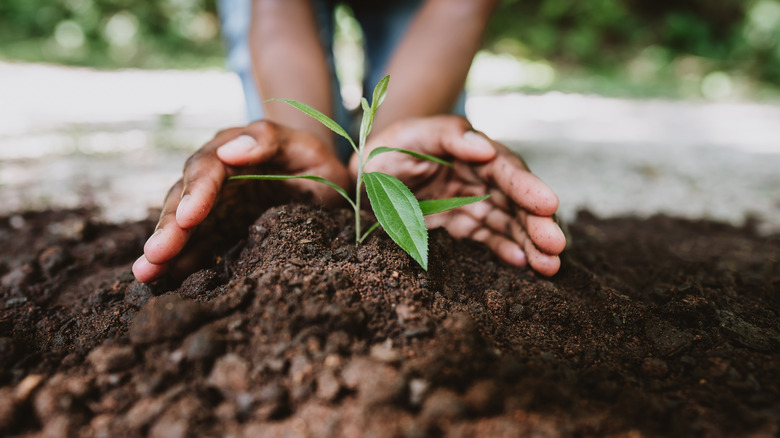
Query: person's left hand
point(516, 222)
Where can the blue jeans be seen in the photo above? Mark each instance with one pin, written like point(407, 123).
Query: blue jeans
point(384, 25)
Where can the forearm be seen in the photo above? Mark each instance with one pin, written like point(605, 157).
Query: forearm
point(288, 62)
point(429, 68)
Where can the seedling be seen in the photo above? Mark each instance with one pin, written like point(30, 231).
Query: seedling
point(394, 205)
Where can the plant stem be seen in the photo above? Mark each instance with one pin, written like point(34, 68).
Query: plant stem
point(358, 237)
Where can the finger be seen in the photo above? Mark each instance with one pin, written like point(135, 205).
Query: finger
point(540, 239)
point(465, 144)
point(194, 257)
point(450, 135)
point(258, 143)
point(168, 238)
point(461, 225)
point(506, 249)
point(241, 151)
point(458, 225)
point(439, 136)
point(518, 251)
point(491, 214)
point(203, 176)
point(545, 234)
point(510, 174)
point(545, 264)
point(146, 272)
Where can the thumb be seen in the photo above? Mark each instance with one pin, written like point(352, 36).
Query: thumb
point(242, 151)
point(469, 146)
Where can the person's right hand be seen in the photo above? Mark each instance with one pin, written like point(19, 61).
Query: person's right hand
point(259, 148)
point(517, 222)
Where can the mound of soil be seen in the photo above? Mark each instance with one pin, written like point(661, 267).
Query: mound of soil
point(654, 327)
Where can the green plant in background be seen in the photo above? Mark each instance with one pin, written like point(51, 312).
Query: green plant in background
point(112, 33)
point(395, 207)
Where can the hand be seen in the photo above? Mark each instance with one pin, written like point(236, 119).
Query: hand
point(261, 147)
point(516, 222)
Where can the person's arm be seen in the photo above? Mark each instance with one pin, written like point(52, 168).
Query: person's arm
point(427, 73)
point(288, 62)
point(429, 68)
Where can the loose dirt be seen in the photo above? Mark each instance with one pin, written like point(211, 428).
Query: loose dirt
point(653, 327)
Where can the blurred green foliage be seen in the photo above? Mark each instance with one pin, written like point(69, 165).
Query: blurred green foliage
point(680, 41)
point(112, 33)
point(589, 43)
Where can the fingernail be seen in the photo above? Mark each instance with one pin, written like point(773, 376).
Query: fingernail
point(239, 145)
point(477, 141)
point(184, 204)
point(153, 242)
point(154, 235)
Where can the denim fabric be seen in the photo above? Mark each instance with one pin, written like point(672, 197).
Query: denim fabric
point(234, 17)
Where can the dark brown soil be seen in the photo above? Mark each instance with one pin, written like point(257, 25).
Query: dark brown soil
point(657, 327)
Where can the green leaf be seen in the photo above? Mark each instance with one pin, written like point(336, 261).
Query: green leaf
point(398, 211)
point(369, 231)
point(439, 205)
point(366, 123)
point(380, 92)
point(369, 112)
point(319, 179)
point(322, 118)
point(426, 157)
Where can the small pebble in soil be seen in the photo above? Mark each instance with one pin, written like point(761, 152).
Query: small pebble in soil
point(442, 404)
point(375, 383)
point(328, 386)
point(300, 368)
point(418, 389)
point(111, 358)
point(384, 352)
point(203, 344)
point(230, 375)
point(17, 222)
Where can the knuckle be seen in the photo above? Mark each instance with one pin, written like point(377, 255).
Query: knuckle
point(177, 187)
point(456, 120)
point(263, 127)
point(192, 159)
point(226, 131)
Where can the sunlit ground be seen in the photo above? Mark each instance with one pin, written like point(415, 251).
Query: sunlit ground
point(118, 140)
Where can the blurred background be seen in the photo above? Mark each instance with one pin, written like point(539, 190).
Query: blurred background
point(622, 106)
